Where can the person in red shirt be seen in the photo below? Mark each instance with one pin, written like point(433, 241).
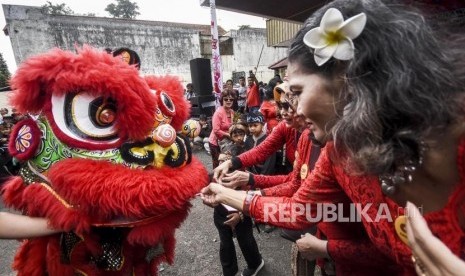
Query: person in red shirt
point(286, 133)
point(393, 135)
point(269, 108)
point(253, 93)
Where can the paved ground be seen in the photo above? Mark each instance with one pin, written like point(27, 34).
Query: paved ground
point(197, 246)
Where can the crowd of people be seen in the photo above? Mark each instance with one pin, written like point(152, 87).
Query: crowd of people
point(381, 91)
point(8, 165)
point(370, 120)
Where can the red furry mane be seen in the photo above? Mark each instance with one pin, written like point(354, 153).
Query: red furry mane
point(60, 72)
point(172, 86)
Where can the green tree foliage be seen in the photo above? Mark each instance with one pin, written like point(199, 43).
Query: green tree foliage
point(4, 73)
point(58, 9)
point(123, 9)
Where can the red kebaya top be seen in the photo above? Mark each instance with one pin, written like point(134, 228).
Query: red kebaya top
point(329, 179)
point(348, 246)
point(281, 135)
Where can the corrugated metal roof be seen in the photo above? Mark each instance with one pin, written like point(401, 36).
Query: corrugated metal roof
point(279, 64)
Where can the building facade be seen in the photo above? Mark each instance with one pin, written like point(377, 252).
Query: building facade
point(164, 48)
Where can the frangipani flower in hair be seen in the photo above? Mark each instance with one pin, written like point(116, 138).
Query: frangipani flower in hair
point(333, 38)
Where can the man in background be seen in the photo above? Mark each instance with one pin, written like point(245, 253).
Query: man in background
point(241, 95)
point(189, 91)
point(253, 94)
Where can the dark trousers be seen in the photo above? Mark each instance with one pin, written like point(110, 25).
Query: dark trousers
point(245, 238)
point(215, 152)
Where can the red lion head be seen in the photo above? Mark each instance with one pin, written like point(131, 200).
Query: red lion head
point(102, 161)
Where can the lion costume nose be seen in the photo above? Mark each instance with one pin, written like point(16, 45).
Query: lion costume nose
point(164, 134)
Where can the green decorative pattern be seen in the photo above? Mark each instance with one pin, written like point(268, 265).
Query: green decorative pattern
point(52, 150)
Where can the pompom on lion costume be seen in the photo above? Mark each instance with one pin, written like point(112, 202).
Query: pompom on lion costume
point(102, 161)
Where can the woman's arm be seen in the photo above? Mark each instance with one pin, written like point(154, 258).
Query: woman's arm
point(261, 152)
point(297, 212)
point(242, 178)
point(256, 155)
point(13, 226)
point(286, 189)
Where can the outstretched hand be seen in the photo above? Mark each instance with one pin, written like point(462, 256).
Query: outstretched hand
point(216, 193)
point(235, 179)
point(221, 170)
point(430, 255)
point(211, 194)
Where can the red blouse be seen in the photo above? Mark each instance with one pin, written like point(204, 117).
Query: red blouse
point(279, 185)
point(281, 135)
point(348, 244)
point(330, 183)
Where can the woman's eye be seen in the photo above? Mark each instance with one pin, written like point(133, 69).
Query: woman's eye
point(296, 92)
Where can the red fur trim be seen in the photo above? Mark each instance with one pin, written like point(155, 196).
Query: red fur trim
point(155, 232)
point(173, 87)
point(31, 258)
point(54, 264)
point(12, 193)
point(169, 245)
point(60, 72)
point(155, 263)
point(105, 191)
point(33, 141)
point(41, 203)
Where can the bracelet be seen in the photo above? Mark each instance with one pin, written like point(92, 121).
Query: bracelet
point(247, 202)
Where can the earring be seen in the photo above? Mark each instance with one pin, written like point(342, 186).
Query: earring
point(403, 174)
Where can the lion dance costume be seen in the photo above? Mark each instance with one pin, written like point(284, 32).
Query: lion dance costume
point(102, 161)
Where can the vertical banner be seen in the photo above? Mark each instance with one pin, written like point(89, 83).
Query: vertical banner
point(217, 70)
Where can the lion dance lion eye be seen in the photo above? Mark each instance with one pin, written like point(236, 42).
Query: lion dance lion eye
point(165, 104)
point(105, 116)
point(85, 117)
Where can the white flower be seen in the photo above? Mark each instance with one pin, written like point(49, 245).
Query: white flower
point(334, 36)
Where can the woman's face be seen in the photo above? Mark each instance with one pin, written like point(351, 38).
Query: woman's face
point(291, 118)
point(315, 101)
point(228, 101)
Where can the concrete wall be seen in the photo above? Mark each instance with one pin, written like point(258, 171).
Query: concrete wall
point(4, 96)
point(248, 45)
point(164, 48)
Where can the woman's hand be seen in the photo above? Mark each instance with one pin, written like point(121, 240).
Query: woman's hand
point(216, 193)
point(312, 247)
point(221, 170)
point(233, 220)
point(430, 256)
point(235, 179)
point(211, 195)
